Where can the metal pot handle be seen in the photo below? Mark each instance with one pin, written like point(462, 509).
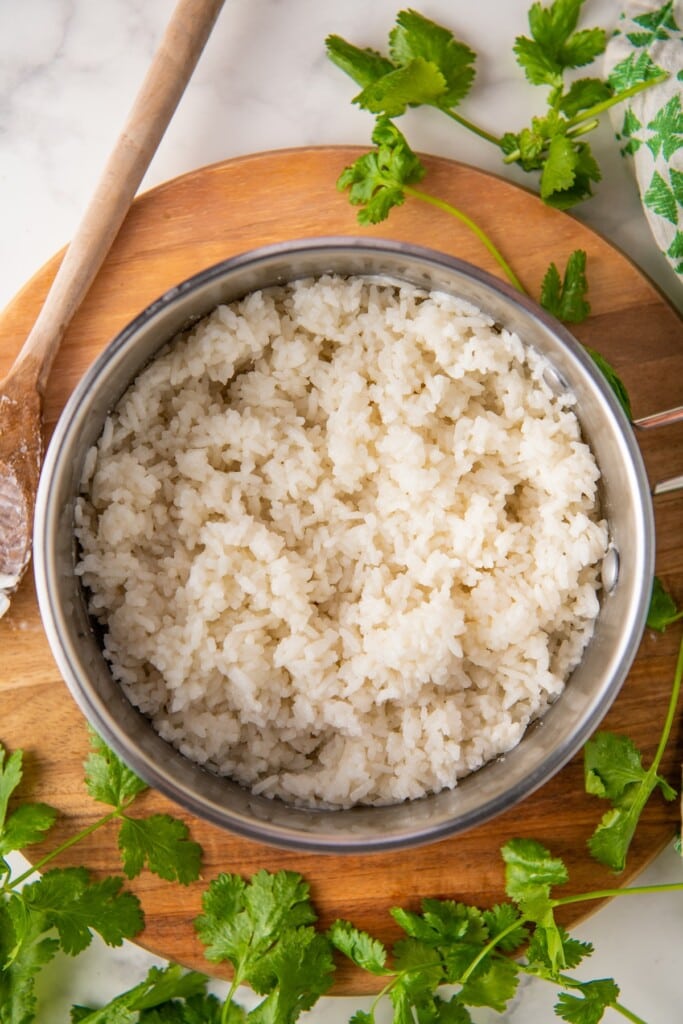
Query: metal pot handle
point(663, 419)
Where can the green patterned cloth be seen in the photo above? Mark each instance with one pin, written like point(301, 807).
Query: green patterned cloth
point(648, 40)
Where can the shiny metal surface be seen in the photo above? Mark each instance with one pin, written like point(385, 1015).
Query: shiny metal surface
point(548, 744)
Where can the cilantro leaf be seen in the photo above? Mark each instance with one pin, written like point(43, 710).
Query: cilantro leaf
point(560, 166)
point(586, 171)
point(555, 45)
point(417, 38)
point(163, 844)
point(443, 922)
point(539, 955)
point(376, 180)
point(583, 47)
point(612, 764)
point(361, 1017)
point(530, 868)
point(263, 929)
point(241, 921)
point(364, 66)
point(530, 873)
point(589, 1007)
point(539, 66)
point(419, 974)
point(159, 988)
point(68, 901)
point(367, 953)
point(27, 825)
point(415, 83)
point(613, 379)
point(566, 299)
point(10, 777)
point(495, 987)
point(293, 974)
point(194, 1009)
point(613, 770)
point(24, 949)
point(663, 610)
point(29, 822)
point(107, 778)
point(582, 94)
point(504, 920)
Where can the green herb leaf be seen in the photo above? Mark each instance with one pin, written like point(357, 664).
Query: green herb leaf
point(241, 921)
point(361, 1017)
point(24, 950)
point(566, 298)
point(364, 66)
point(560, 166)
point(107, 778)
point(613, 770)
point(586, 171)
point(160, 987)
point(375, 181)
point(10, 777)
point(495, 987)
point(663, 611)
point(415, 83)
point(583, 94)
point(555, 45)
point(367, 953)
point(262, 928)
point(27, 825)
point(69, 902)
point(504, 920)
point(417, 38)
point(539, 66)
point(530, 868)
point(540, 957)
point(530, 873)
point(293, 973)
point(163, 844)
point(443, 922)
point(590, 1006)
point(583, 47)
point(613, 379)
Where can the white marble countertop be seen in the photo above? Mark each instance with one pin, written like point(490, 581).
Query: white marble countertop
point(69, 70)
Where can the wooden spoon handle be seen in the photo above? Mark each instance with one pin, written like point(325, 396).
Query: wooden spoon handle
point(164, 83)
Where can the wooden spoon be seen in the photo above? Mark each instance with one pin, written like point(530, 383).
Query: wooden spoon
point(21, 392)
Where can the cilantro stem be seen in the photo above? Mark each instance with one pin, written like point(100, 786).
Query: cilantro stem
point(474, 227)
point(671, 712)
point(618, 97)
point(470, 126)
point(67, 844)
point(628, 1014)
point(604, 894)
point(566, 982)
point(488, 948)
point(578, 121)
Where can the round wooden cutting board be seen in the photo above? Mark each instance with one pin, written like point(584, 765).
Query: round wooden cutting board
point(201, 218)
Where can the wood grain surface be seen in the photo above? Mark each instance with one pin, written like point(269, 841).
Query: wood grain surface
point(208, 215)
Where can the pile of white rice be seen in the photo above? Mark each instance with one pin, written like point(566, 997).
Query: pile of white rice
point(344, 541)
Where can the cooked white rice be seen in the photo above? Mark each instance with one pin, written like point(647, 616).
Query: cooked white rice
point(344, 541)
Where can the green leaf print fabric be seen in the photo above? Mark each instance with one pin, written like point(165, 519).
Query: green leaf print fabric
point(648, 40)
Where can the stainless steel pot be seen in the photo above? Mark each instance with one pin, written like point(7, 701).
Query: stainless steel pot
point(547, 746)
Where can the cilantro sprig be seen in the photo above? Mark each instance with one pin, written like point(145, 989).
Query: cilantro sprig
point(449, 945)
point(62, 908)
point(613, 770)
point(427, 65)
point(264, 928)
point(663, 611)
